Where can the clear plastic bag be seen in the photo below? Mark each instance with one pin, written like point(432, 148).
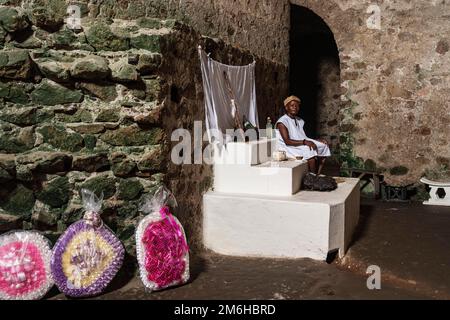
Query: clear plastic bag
point(161, 246)
point(24, 265)
point(88, 255)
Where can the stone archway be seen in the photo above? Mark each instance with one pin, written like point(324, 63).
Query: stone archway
point(314, 73)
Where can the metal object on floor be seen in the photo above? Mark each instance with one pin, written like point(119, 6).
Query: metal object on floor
point(394, 193)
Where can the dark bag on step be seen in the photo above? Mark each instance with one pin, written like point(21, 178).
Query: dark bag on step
point(319, 183)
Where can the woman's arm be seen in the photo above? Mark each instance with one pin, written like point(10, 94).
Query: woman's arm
point(290, 142)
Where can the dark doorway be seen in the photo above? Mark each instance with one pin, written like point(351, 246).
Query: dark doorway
point(314, 73)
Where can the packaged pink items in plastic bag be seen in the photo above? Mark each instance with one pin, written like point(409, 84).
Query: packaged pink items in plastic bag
point(162, 250)
point(24, 266)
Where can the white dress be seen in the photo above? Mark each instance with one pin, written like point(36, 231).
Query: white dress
point(296, 132)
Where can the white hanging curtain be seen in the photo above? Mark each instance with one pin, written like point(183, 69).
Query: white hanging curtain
point(238, 85)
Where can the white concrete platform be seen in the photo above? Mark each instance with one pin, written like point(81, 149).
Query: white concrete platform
point(308, 224)
point(271, 178)
point(245, 153)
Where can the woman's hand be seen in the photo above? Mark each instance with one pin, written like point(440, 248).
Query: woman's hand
point(311, 145)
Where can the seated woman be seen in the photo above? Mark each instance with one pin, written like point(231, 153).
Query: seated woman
point(293, 140)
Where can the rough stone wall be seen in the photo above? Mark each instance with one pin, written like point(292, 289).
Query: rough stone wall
point(79, 110)
point(395, 85)
point(261, 26)
point(96, 108)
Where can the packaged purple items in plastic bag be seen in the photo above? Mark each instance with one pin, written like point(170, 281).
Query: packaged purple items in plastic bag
point(24, 266)
point(88, 255)
point(162, 250)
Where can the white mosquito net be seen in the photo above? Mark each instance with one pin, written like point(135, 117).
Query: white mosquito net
point(227, 90)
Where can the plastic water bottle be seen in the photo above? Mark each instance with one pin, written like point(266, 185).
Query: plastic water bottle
point(269, 129)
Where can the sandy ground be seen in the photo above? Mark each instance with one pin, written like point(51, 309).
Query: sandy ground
point(409, 242)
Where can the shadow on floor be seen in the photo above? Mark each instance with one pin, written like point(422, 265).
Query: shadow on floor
point(197, 267)
point(128, 271)
point(366, 212)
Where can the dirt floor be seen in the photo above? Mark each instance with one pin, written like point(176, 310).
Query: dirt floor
point(408, 241)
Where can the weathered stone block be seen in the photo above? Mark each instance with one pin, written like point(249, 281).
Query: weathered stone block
point(150, 42)
point(170, 23)
point(129, 189)
point(90, 141)
point(13, 19)
point(81, 115)
point(15, 64)
point(101, 37)
point(90, 68)
point(20, 116)
point(101, 183)
point(14, 92)
point(150, 118)
point(46, 162)
point(152, 160)
point(151, 23)
point(7, 161)
point(55, 192)
point(49, 18)
point(61, 139)
point(54, 70)
point(104, 91)
point(124, 72)
point(43, 217)
point(90, 163)
point(121, 165)
point(64, 39)
point(9, 222)
point(19, 202)
point(51, 93)
point(109, 115)
point(26, 41)
point(128, 210)
point(91, 128)
point(133, 136)
point(17, 141)
point(26, 116)
point(73, 213)
point(24, 173)
point(7, 167)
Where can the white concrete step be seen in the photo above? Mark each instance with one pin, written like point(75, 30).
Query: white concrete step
point(308, 224)
point(245, 153)
point(270, 178)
